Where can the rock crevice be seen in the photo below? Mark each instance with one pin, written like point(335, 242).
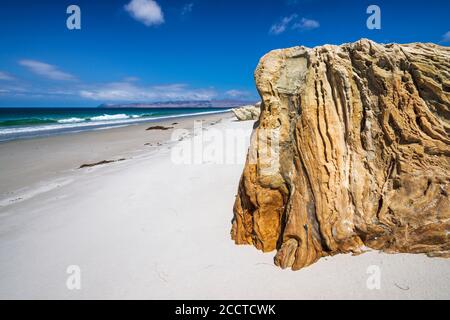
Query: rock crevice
point(351, 150)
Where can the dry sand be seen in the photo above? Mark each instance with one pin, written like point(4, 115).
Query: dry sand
point(147, 228)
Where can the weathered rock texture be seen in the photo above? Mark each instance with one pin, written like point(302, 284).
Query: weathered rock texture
point(246, 113)
point(364, 153)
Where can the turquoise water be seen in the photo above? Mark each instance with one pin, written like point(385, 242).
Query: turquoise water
point(17, 123)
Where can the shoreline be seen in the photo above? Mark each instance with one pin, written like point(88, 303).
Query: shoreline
point(146, 228)
point(32, 163)
point(31, 132)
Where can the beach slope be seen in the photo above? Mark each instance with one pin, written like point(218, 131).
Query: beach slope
point(146, 228)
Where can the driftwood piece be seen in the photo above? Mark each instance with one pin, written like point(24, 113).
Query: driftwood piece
point(90, 165)
point(158, 128)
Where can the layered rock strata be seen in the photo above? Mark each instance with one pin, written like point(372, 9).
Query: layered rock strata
point(351, 150)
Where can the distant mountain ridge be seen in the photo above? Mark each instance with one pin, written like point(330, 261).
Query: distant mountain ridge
point(182, 104)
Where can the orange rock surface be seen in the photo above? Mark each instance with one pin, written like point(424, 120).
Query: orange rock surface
point(351, 150)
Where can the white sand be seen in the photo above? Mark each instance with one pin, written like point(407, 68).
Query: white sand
point(148, 229)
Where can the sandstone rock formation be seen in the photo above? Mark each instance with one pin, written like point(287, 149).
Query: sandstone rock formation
point(246, 113)
point(360, 156)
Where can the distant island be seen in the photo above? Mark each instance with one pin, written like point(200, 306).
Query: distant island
point(182, 104)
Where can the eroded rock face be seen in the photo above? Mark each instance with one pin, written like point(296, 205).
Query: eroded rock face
point(361, 155)
point(247, 113)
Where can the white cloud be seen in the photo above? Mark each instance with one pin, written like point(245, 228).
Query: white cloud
point(131, 79)
point(46, 70)
point(187, 8)
point(125, 90)
point(446, 37)
point(306, 24)
point(13, 90)
point(291, 22)
point(146, 11)
point(237, 93)
point(5, 76)
point(281, 26)
point(129, 92)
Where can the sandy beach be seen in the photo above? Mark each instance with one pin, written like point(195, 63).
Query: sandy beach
point(148, 228)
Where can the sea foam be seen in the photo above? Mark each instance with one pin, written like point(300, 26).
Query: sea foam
point(71, 120)
point(94, 123)
point(107, 117)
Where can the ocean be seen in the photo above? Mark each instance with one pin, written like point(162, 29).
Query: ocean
point(18, 123)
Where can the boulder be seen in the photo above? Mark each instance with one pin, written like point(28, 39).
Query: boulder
point(351, 150)
point(246, 113)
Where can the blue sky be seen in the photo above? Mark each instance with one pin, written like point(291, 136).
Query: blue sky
point(144, 50)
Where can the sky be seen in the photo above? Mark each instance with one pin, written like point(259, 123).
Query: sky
point(156, 50)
